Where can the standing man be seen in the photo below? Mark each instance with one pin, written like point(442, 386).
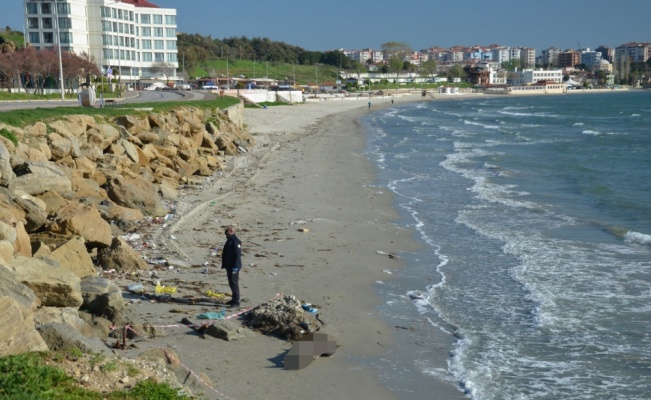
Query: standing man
point(232, 262)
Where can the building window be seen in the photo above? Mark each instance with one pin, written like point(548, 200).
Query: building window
point(158, 32)
point(170, 32)
point(171, 45)
point(158, 45)
point(145, 19)
point(46, 8)
point(48, 37)
point(171, 57)
point(32, 8)
point(34, 37)
point(115, 27)
point(146, 57)
point(47, 23)
point(32, 23)
point(114, 13)
point(146, 32)
point(170, 20)
point(65, 23)
point(106, 40)
point(63, 9)
point(158, 19)
point(146, 44)
point(159, 57)
point(106, 26)
point(131, 16)
point(66, 37)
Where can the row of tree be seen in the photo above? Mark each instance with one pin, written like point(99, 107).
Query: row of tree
point(31, 69)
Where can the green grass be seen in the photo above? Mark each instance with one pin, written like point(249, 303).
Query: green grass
point(21, 118)
point(5, 133)
point(25, 377)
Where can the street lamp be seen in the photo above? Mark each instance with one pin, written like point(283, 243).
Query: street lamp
point(56, 17)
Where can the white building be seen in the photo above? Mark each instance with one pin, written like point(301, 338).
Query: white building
point(531, 76)
point(128, 36)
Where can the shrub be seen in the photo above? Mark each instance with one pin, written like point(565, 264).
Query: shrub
point(5, 133)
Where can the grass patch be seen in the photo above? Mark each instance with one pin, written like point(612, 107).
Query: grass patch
point(26, 377)
point(21, 118)
point(5, 133)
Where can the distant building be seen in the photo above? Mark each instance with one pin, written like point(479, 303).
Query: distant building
point(607, 53)
point(527, 57)
point(550, 57)
point(632, 52)
point(531, 76)
point(568, 58)
point(126, 36)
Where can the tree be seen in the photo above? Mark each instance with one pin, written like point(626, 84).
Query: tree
point(396, 53)
point(161, 67)
point(511, 65)
point(428, 68)
point(456, 71)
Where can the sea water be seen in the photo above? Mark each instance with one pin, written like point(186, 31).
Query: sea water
point(535, 218)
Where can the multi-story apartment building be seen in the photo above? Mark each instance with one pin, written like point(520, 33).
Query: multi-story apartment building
point(607, 53)
point(527, 57)
point(531, 76)
point(590, 58)
point(568, 58)
point(125, 37)
point(632, 52)
point(550, 57)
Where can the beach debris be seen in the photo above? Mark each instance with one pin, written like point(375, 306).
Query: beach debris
point(283, 317)
point(162, 289)
point(309, 348)
point(308, 307)
point(304, 230)
point(386, 271)
point(213, 315)
point(417, 295)
point(137, 288)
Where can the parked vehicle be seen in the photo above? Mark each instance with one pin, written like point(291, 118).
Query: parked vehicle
point(184, 86)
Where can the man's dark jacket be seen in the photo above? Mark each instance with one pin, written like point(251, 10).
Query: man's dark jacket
point(232, 254)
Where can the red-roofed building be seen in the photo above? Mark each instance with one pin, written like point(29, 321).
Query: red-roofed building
point(124, 37)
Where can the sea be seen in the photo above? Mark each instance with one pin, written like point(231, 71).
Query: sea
point(533, 276)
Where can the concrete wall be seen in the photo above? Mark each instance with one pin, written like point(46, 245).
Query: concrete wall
point(263, 95)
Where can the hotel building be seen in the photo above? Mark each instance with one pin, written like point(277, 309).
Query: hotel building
point(125, 37)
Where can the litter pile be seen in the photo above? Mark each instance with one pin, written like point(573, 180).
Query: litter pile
point(283, 317)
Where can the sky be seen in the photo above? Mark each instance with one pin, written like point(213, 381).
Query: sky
point(358, 24)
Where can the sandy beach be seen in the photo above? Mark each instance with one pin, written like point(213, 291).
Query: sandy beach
point(307, 171)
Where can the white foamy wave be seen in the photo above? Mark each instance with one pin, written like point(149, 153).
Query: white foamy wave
point(591, 132)
point(637, 237)
point(635, 115)
point(578, 124)
point(480, 124)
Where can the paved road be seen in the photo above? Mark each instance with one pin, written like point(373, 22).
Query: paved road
point(145, 96)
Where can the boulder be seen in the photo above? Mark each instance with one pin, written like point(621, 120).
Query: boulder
point(227, 330)
point(136, 193)
point(102, 297)
point(22, 245)
point(82, 220)
point(121, 257)
point(11, 287)
point(6, 250)
point(35, 211)
point(59, 146)
point(17, 332)
point(6, 173)
point(61, 336)
point(38, 178)
point(55, 287)
point(113, 212)
point(102, 136)
point(53, 202)
point(67, 315)
point(73, 256)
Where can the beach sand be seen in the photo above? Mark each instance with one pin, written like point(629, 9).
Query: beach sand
point(307, 170)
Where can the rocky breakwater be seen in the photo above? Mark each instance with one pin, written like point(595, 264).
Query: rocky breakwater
point(68, 190)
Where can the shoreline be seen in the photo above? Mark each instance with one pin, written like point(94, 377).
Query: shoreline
point(298, 175)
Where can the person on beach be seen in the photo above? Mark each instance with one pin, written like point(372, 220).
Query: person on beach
point(369, 105)
point(232, 263)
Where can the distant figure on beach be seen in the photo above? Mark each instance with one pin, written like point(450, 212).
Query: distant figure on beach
point(392, 100)
point(369, 105)
point(232, 263)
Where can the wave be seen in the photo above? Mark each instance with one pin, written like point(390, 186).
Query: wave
point(637, 237)
point(466, 122)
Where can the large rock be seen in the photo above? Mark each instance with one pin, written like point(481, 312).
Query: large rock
point(227, 330)
point(6, 250)
point(73, 256)
point(61, 336)
point(6, 173)
point(55, 287)
point(17, 332)
point(35, 211)
point(22, 245)
point(67, 315)
point(11, 287)
point(37, 178)
point(82, 220)
point(102, 136)
point(136, 193)
point(102, 297)
point(121, 257)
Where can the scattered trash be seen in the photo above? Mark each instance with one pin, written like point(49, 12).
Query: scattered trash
point(136, 288)
point(304, 230)
point(213, 315)
point(217, 295)
point(386, 271)
point(308, 307)
point(160, 289)
point(418, 295)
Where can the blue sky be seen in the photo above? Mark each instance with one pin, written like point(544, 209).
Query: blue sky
point(357, 24)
